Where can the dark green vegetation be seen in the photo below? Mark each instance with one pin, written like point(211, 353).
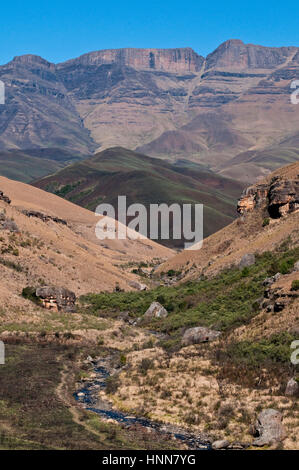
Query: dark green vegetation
point(28, 165)
point(29, 293)
point(273, 349)
point(11, 265)
point(225, 302)
point(146, 180)
point(34, 416)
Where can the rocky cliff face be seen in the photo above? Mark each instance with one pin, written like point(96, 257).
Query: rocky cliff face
point(169, 60)
point(280, 196)
point(38, 111)
point(163, 102)
point(235, 54)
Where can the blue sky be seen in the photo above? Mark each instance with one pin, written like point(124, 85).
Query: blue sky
point(59, 30)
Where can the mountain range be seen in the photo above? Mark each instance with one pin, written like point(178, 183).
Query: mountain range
point(230, 111)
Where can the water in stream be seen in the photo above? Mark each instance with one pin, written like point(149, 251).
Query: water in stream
point(88, 397)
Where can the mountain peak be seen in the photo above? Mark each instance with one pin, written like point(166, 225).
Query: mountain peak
point(235, 54)
point(28, 59)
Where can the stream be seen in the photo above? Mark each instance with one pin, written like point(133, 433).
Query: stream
point(88, 397)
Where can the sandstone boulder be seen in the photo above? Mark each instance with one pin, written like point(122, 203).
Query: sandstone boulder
point(198, 335)
point(268, 428)
point(283, 196)
point(4, 198)
point(57, 298)
point(247, 260)
point(252, 197)
point(280, 196)
point(138, 285)
point(221, 444)
point(156, 310)
point(292, 388)
point(270, 280)
point(44, 217)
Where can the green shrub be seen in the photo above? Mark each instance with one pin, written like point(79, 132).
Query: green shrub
point(145, 365)
point(254, 353)
point(11, 265)
point(295, 285)
point(266, 221)
point(122, 360)
point(29, 293)
point(223, 302)
point(112, 384)
point(245, 271)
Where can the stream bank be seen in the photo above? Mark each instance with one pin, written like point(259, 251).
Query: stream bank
point(88, 397)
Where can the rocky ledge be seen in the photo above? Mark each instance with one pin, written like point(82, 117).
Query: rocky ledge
point(280, 197)
point(56, 298)
point(4, 198)
point(44, 217)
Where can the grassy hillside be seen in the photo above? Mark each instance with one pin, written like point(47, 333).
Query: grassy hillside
point(28, 165)
point(247, 166)
point(146, 180)
point(224, 302)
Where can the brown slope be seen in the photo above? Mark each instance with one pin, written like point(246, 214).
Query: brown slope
point(69, 256)
point(245, 235)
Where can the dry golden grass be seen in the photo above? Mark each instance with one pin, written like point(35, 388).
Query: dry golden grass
point(245, 235)
point(69, 256)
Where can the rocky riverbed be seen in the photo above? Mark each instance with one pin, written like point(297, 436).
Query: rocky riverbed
point(87, 395)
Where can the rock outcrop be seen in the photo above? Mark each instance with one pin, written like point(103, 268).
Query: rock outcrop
point(198, 335)
point(252, 197)
point(292, 388)
point(221, 444)
point(44, 217)
point(56, 298)
point(276, 298)
point(270, 280)
point(138, 285)
point(234, 53)
point(169, 60)
point(283, 197)
point(268, 428)
point(156, 310)
point(280, 197)
point(4, 198)
point(247, 260)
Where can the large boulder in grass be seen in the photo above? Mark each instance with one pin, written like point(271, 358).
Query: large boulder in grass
point(4, 198)
point(221, 444)
point(198, 335)
point(156, 310)
point(247, 260)
point(138, 285)
point(292, 388)
point(56, 298)
point(268, 428)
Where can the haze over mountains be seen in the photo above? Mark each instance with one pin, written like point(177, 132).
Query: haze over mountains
point(230, 111)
